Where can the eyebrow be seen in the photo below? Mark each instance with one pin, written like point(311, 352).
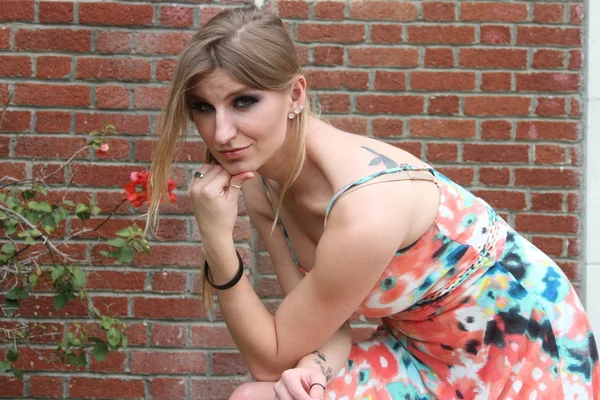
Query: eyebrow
point(230, 95)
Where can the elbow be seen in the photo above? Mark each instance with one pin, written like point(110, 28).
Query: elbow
point(262, 373)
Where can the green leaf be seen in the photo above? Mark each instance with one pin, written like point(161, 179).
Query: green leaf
point(81, 208)
point(23, 294)
point(124, 341)
point(2, 196)
point(8, 249)
point(10, 306)
point(36, 233)
point(104, 253)
point(124, 254)
point(94, 339)
point(13, 293)
point(16, 372)
point(33, 205)
point(83, 216)
point(30, 240)
point(79, 278)
point(106, 322)
point(32, 216)
point(69, 203)
point(60, 214)
point(113, 336)
point(4, 366)
point(96, 210)
point(12, 355)
point(81, 359)
point(10, 226)
point(12, 202)
point(100, 351)
point(34, 280)
point(57, 274)
point(45, 207)
point(118, 242)
point(49, 224)
point(125, 232)
point(60, 301)
point(27, 194)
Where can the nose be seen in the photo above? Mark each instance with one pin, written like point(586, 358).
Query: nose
point(224, 128)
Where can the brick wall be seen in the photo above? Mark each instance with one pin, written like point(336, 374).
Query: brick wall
point(488, 92)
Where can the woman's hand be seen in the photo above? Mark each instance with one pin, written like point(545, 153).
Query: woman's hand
point(301, 383)
point(213, 194)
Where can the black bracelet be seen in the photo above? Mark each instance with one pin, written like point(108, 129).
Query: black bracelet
point(232, 282)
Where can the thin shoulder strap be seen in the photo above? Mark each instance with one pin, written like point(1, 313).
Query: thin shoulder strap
point(401, 168)
point(268, 193)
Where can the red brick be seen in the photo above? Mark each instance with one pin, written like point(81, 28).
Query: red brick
point(575, 59)
point(353, 125)
point(441, 34)
point(161, 43)
point(292, 9)
point(167, 389)
point(213, 389)
point(442, 152)
point(384, 57)
point(414, 148)
point(387, 127)
point(206, 14)
point(576, 156)
point(46, 386)
point(176, 16)
point(550, 106)
point(42, 306)
point(496, 130)
point(494, 176)
point(328, 55)
point(52, 95)
point(113, 42)
point(14, 65)
point(172, 255)
point(268, 287)
point(113, 68)
point(112, 97)
point(384, 10)
point(11, 386)
point(375, 104)
point(442, 81)
point(150, 97)
point(4, 146)
point(503, 200)
point(192, 151)
point(573, 247)
point(571, 270)
point(96, 388)
point(16, 121)
point(574, 202)
point(504, 12)
point(169, 282)
point(333, 10)
point(439, 57)
point(164, 69)
point(548, 36)
point(168, 335)
point(54, 39)
point(497, 105)
point(546, 201)
point(493, 58)
point(168, 362)
point(462, 176)
point(495, 34)
point(577, 13)
point(115, 306)
point(338, 79)
point(170, 308)
point(115, 362)
point(386, 80)
point(552, 246)
point(548, 59)
point(335, 103)
point(442, 128)
point(116, 14)
point(53, 67)
point(549, 154)
point(548, 130)
point(548, 13)
point(496, 81)
point(56, 12)
point(4, 38)
point(116, 280)
point(17, 10)
point(502, 153)
point(443, 105)
point(131, 124)
point(342, 33)
point(211, 337)
point(546, 223)
point(386, 33)
point(548, 177)
point(49, 147)
point(438, 11)
point(228, 364)
point(575, 108)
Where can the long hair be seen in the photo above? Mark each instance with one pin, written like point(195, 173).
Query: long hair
point(253, 47)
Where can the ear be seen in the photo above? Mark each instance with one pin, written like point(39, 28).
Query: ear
point(298, 92)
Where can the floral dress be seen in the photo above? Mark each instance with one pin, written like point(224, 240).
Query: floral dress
point(471, 310)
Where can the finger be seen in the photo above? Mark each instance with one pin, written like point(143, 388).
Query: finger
point(237, 181)
point(317, 392)
point(206, 171)
point(281, 392)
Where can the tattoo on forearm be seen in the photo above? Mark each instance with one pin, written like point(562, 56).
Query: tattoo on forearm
point(388, 162)
point(320, 360)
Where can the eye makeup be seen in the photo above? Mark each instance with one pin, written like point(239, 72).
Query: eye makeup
point(240, 102)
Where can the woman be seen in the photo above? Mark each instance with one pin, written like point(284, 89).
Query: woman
point(469, 308)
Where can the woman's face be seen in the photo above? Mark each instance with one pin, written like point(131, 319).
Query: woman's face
point(242, 127)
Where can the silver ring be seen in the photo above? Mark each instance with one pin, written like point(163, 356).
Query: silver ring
point(198, 174)
point(236, 186)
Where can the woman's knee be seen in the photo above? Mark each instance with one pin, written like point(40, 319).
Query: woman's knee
point(253, 390)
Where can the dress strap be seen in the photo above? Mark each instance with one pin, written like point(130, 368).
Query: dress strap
point(268, 193)
point(400, 168)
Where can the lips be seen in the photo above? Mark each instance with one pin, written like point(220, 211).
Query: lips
point(234, 153)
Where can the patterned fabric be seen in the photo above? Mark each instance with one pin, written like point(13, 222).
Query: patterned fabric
point(472, 310)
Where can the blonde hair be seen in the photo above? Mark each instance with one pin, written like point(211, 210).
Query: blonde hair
point(253, 47)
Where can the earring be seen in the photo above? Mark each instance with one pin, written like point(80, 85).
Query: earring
point(301, 108)
point(291, 115)
point(297, 111)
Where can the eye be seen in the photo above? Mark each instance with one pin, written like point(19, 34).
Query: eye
point(244, 101)
point(202, 107)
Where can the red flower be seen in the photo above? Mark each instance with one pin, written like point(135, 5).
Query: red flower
point(138, 196)
point(103, 150)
